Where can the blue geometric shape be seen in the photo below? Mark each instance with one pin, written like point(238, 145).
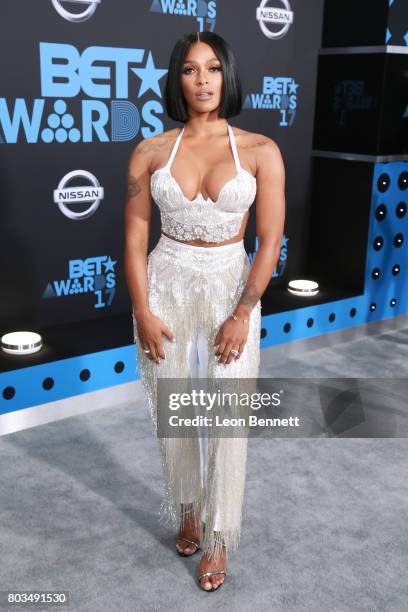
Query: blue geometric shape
point(53, 120)
point(247, 102)
point(67, 120)
point(49, 292)
point(61, 135)
point(74, 135)
point(99, 281)
point(125, 120)
point(60, 106)
point(155, 6)
point(202, 8)
point(47, 135)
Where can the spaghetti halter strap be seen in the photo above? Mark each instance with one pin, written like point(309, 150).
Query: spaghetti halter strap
point(232, 141)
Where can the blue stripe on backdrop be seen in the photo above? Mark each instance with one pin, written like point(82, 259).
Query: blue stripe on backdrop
point(70, 377)
point(27, 383)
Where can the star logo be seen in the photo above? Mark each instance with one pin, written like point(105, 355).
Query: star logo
point(150, 76)
point(293, 87)
point(109, 264)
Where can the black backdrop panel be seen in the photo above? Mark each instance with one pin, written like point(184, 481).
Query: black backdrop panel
point(394, 118)
point(77, 95)
point(339, 223)
point(363, 23)
point(361, 104)
point(352, 23)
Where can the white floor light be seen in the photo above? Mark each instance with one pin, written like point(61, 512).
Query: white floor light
point(21, 342)
point(303, 288)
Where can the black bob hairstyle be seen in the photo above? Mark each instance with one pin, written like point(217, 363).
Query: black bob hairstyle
point(231, 93)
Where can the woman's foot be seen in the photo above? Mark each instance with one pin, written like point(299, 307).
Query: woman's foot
point(190, 531)
point(213, 582)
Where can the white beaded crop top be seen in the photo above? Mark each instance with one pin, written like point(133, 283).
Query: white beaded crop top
point(199, 218)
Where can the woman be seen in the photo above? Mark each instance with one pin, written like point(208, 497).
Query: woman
point(196, 293)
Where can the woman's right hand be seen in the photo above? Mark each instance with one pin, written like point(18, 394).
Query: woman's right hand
point(150, 329)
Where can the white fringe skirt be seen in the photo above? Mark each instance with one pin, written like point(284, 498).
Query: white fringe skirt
point(193, 289)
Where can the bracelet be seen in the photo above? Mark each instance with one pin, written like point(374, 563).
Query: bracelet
point(237, 318)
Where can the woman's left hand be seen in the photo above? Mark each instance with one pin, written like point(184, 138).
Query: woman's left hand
point(231, 335)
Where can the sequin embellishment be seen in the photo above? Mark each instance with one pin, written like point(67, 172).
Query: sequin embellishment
point(200, 218)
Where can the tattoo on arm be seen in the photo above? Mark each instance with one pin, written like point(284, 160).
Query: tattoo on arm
point(253, 145)
point(250, 295)
point(133, 187)
point(145, 147)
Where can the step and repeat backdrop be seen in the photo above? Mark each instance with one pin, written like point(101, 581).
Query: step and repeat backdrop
point(81, 84)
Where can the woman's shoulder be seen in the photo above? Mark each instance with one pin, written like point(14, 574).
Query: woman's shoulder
point(159, 141)
point(166, 135)
point(263, 148)
point(253, 139)
point(153, 148)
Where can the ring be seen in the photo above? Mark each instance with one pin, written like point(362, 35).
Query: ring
point(235, 351)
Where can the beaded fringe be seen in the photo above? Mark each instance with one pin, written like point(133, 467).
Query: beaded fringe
point(191, 288)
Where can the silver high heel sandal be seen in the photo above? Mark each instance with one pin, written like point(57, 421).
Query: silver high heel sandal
point(182, 553)
point(212, 574)
point(190, 541)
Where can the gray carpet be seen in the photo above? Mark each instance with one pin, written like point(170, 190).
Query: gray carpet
point(325, 525)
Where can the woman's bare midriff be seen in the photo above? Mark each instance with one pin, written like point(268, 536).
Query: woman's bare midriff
point(236, 238)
